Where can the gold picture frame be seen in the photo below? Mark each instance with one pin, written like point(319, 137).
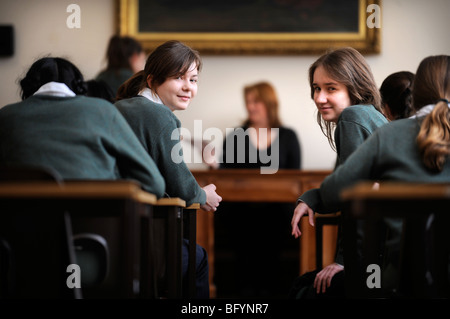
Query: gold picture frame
point(366, 39)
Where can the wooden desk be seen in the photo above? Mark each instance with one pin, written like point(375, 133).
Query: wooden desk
point(88, 202)
point(243, 185)
point(424, 209)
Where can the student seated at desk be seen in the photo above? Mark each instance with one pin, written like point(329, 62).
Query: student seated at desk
point(412, 150)
point(148, 101)
point(80, 137)
point(349, 111)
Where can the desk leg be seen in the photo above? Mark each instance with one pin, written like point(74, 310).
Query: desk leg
point(131, 261)
point(174, 251)
point(190, 223)
point(148, 282)
point(307, 253)
point(205, 238)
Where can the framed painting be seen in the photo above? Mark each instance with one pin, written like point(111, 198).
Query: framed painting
point(254, 26)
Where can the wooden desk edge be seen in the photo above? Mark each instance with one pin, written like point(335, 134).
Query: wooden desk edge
point(396, 190)
point(145, 198)
point(171, 202)
point(193, 206)
point(104, 189)
point(318, 215)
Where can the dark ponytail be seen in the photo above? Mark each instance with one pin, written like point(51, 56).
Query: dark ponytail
point(131, 87)
point(50, 69)
point(396, 94)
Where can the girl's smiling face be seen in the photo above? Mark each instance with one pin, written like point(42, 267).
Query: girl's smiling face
point(330, 96)
point(177, 92)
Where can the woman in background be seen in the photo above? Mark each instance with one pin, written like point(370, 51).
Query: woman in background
point(259, 230)
point(264, 133)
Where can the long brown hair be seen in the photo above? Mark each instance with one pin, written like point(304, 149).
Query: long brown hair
point(170, 59)
point(432, 86)
point(265, 92)
point(346, 66)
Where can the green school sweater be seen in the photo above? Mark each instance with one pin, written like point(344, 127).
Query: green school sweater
point(355, 124)
point(158, 130)
point(80, 137)
point(390, 154)
point(114, 78)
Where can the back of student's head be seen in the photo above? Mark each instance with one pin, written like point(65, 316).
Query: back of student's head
point(432, 86)
point(120, 49)
point(432, 81)
point(170, 59)
point(396, 94)
point(348, 66)
point(52, 69)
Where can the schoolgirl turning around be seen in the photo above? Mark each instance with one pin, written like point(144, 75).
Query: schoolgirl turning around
point(148, 101)
point(349, 111)
point(415, 150)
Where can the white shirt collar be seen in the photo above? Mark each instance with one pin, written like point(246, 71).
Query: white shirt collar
point(146, 92)
point(55, 89)
point(424, 110)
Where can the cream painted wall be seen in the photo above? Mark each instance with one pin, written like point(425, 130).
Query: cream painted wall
point(411, 30)
point(40, 29)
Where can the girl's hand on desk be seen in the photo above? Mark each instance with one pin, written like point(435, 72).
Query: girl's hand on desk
point(300, 210)
point(212, 198)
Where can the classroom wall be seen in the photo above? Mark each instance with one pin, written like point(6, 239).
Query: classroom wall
point(410, 31)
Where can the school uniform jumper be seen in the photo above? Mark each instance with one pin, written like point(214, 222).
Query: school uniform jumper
point(158, 130)
point(355, 124)
point(114, 78)
point(80, 137)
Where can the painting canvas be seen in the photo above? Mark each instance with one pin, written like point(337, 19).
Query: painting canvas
point(251, 26)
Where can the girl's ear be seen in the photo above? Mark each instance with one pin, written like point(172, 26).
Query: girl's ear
point(149, 81)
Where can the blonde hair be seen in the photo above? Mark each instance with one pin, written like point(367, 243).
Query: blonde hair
point(433, 85)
